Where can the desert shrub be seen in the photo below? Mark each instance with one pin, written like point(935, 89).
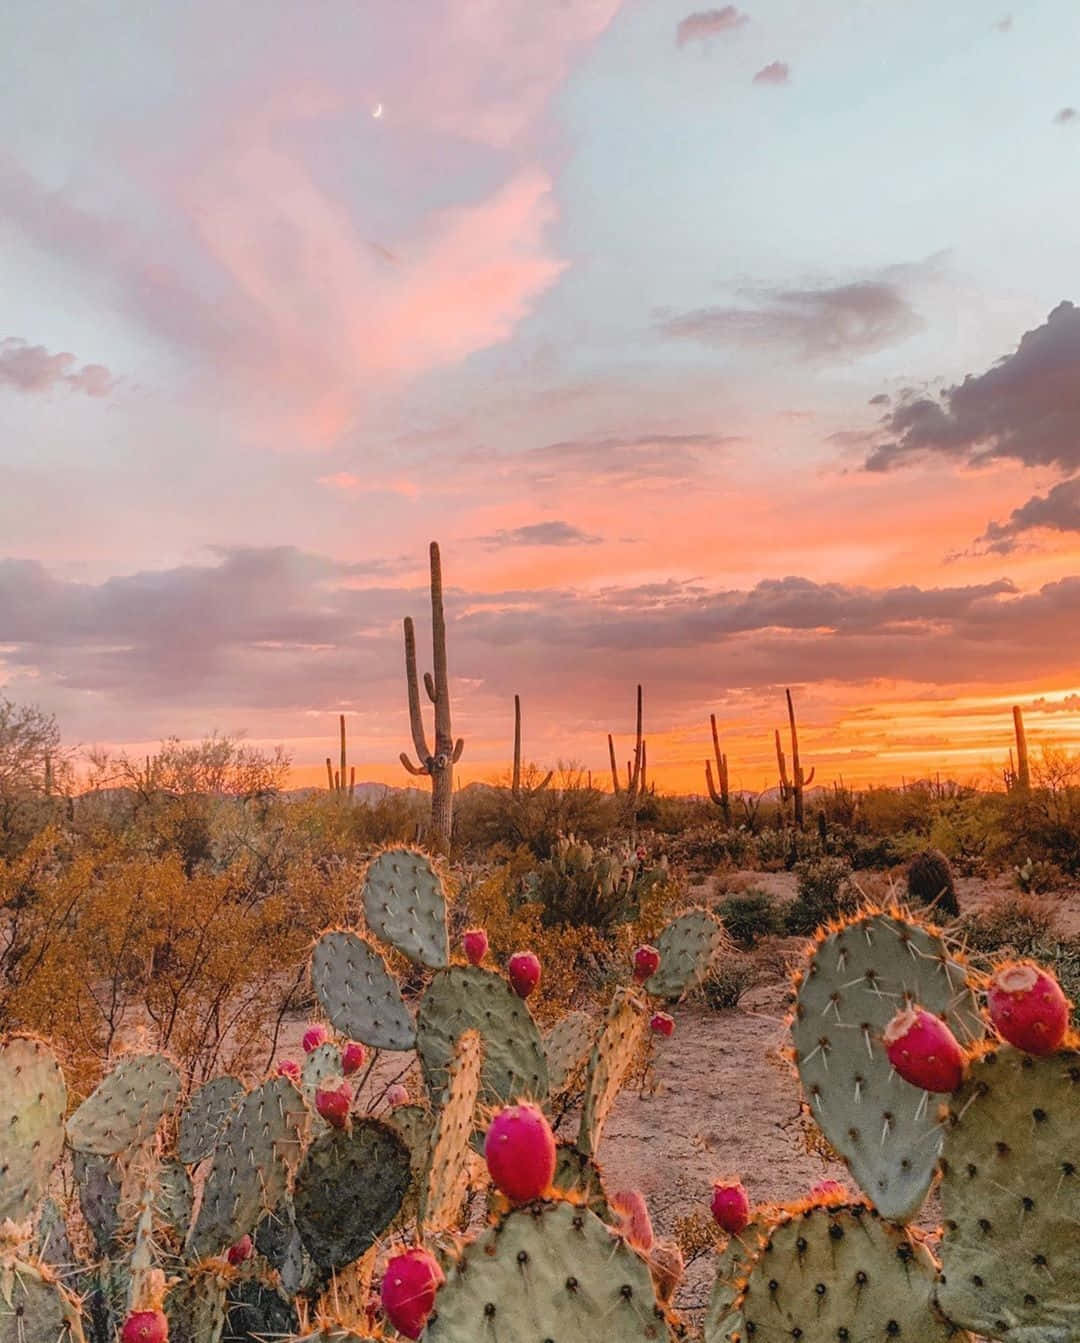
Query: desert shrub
point(871, 851)
point(712, 845)
point(824, 892)
point(583, 886)
point(725, 985)
point(772, 849)
point(1017, 923)
point(930, 882)
point(1037, 877)
point(750, 916)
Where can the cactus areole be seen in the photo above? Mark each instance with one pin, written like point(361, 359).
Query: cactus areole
point(520, 1153)
point(1028, 1008)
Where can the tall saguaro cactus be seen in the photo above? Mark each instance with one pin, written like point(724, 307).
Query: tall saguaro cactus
point(515, 784)
point(1023, 770)
point(794, 787)
point(635, 773)
point(335, 779)
point(719, 790)
point(439, 764)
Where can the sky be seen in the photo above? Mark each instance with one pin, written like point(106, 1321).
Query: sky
point(721, 349)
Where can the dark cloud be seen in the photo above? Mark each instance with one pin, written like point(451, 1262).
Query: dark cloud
point(1025, 408)
point(31, 368)
point(707, 23)
point(554, 533)
point(776, 72)
point(850, 319)
point(1057, 511)
point(631, 462)
point(1065, 116)
point(882, 399)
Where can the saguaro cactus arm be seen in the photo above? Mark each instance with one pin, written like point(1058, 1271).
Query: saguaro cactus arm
point(416, 720)
point(616, 787)
point(718, 789)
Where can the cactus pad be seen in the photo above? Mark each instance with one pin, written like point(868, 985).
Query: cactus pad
point(687, 946)
point(552, 1271)
point(204, 1118)
point(33, 1098)
point(348, 1191)
point(858, 977)
point(732, 1265)
point(98, 1179)
point(255, 1311)
point(468, 998)
point(610, 1061)
point(196, 1309)
point(566, 1047)
point(405, 905)
point(321, 1063)
point(53, 1243)
point(174, 1197)
point(358, 993)
point(1010, 1192)
point(448, 1169)
point(127, 1106)
point(580, 1178)
point(840, 1272)
point(252, 1163)
point(34, 1309)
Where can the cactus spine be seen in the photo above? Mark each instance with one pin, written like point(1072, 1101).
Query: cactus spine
point(792, 789)
point(440, 763)
point(719, 789)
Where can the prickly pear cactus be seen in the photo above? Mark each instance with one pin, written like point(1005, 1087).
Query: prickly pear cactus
point(610, 1060)
point(415, 1123)
point(687, 946)
point(205, 1117)
point(464, 998)
point(253, 1311)
point(553, 1271)
point(580, 1178)
point(99, 1179)
point(52, 1242)
point(1010, 1192)
point(358, 993)
point(348, 1191)
point(33, 1098)
point(405, 905)
point(857, 978)
point(34, 1308)
point(566, 1047)
point(839, 1272)
point(196, 1308)
point(448, 1169)
point(321, 1063)
point(127, 1106)
point(252, 1163)
point(278, 1241)
point(174, 1197)
point(732, 1265)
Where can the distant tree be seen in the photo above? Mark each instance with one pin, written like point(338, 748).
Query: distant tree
point(34, 770)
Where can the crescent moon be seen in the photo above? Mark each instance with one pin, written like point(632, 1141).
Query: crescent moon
point(377, 113)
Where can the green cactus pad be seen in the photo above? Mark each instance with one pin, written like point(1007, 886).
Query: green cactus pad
point(552, 1271)
point(205, 1117)
point(253, 1160)
point(566, 1047)
point(609, 1062)
point(321, 1063)
point(195, 1308)
point(52, 1241)
point(358, 993)
point(415, 1123)
point(723, 1317)
point(857, 978)
point(1010, 1192)
point(127, 1106)
point(579, 1177)
point(278, 1241)
point(253, 1311)
point(33, 1098)
point(840, 1272)
point(405, 905)
point(98, 1179)
point(34, 1309)
point(448, 1169)
point(687, 946)
point(174, 1197)
point(464, 998)
point(348, 1191)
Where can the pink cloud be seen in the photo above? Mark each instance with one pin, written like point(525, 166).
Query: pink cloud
point(777, 72)
point(707, 23)
point(351, 483)
point(31, 368)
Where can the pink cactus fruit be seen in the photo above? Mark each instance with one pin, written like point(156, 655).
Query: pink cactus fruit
point(730, 1206)
point(145, 1326)
point(397, 1095)
point(316, 1034)
point(352, 1057)
point(520, 1152)
point(524, 972)
point(332, 1101)
point(646, 963)
point(634, 1221)
point(475, 942)
point(240, 1252)
point(1028, 1008)
point(291, 1069)
point(924, 1051)
point(829, 1190)
point(661, 1024)
point(408, 1290)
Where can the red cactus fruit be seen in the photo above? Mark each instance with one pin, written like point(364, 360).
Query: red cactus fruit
point(475, 942)
point(408, 1290)
point(291, 1069)
point(646, 963)
point(145, 1326)
point(730, 1206)
point(661, 1024)
point(520, 1152)
point(524, 972)
point(397, 1095)
point(829, 1189)
point(634, 1221)
point(333, 1100)
point(240, 1252)
point(924, 1051)
point(316, 1034)
point(1028, 1008)
point(352, 1057)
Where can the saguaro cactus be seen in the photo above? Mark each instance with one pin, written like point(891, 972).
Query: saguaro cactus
point(439, 764)
point(1023, 771)
point(515, 786)
point(719, 790)
point(635, 773)
point(335, 779)
point(793, 788)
